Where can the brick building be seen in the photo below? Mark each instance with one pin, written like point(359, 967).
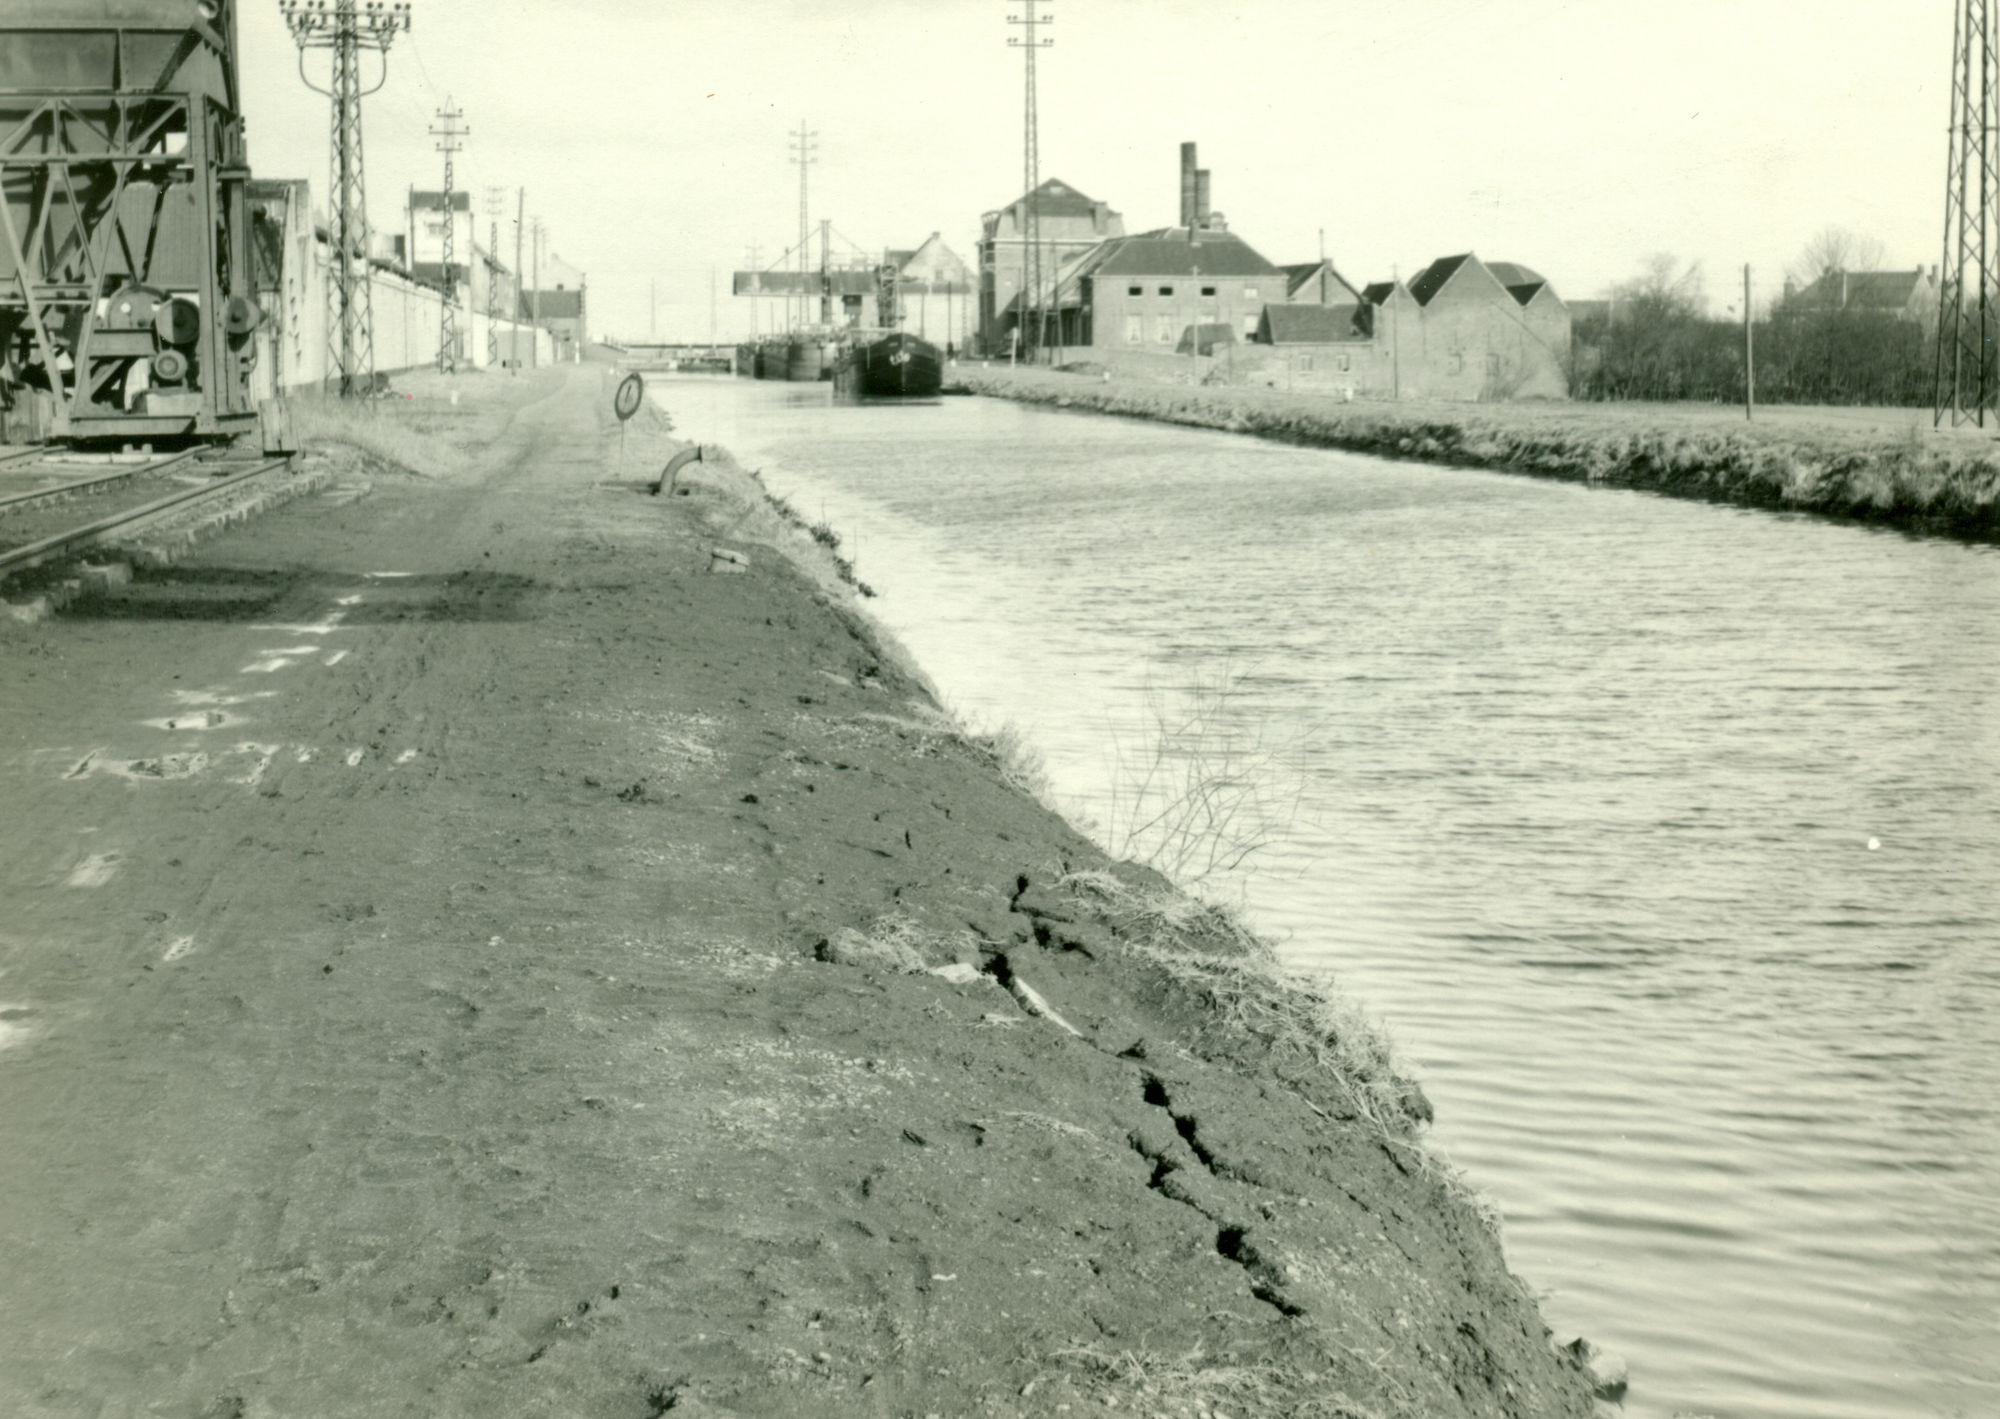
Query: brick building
point(1070, 224)
point(1479, 332)
point(1143, 293)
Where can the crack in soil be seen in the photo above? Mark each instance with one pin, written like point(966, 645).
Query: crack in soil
point(1232, 1240)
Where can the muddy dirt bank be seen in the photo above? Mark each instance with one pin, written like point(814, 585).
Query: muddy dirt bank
point(469, 952)
point(1906, 476)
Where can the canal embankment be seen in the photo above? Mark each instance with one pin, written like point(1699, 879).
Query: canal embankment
point(1887, 467)
point(532, 943)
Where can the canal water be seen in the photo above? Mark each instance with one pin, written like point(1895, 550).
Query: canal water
point(1664, 837)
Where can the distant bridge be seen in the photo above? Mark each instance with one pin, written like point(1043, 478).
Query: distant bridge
point(641, 355)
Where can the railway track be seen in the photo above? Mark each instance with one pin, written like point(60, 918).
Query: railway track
point(96, 482)
point(67, 541)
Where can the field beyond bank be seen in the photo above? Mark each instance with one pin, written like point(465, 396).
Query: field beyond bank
point(1883, 466)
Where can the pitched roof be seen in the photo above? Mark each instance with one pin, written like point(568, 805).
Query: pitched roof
point(1523, 283)
point(1864, 290)
point(1377, 292)
point(1056, 198)
point(1299, 276)
point(1310, 324)
point(1171, 251)
point(1431, 279)
point(555, 305)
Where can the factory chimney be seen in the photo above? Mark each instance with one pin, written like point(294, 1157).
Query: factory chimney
point(1187, 185)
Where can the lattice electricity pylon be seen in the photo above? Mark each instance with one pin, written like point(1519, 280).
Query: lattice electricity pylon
point(1033, 320)
point(804, 144)
point(346, 28)
point(450, 140)
point(496, 204)
point(1965, 385)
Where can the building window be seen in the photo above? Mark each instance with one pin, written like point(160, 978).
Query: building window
point(1135, 329)
point(1208, 290)
point(1249, 326)
point(1163, 327)
point(1457, 365)
point(1305, 362)
point(1340, 362)
point(1166, 290)
point(1249, 293)
point(1135, 290)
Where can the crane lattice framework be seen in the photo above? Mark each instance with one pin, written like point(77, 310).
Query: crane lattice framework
point(1034, 317)
point(127, 296)
point(1966, 385)
point(347, 29)
point(450, 139)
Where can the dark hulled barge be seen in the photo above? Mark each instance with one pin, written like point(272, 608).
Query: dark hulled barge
point(893, 366)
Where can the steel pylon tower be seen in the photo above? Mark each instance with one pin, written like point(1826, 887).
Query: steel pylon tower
point(1034, 315)
point(450, 139)
point(346, 28)
point(804, 144)
point(1965, 384)
point(496, 202)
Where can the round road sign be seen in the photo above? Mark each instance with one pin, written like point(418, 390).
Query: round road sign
point(630, 391)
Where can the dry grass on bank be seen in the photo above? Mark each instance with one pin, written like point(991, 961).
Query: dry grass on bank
point(1309, 1030)
point(1198, 1386)
point(384, 430)
point(1209, 784)
point(1884, 467)
point(428, 424)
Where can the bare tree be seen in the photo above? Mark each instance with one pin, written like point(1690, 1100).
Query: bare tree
point(1834, 249)
point(1664, 287)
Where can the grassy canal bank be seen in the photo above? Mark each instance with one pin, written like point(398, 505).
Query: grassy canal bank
point(570, 964)
point(1881, 466)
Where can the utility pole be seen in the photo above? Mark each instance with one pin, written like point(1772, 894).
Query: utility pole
point(1749, 353)
point(535, 294)
point(804, 144)
point(450, 138)
point(520, 226)
point(1963, 385)
point(345, 28)
point(1395, 337)
point(494, 202)
point(825, 279)
point(1028, 42)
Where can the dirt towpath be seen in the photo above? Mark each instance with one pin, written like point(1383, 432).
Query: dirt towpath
point(463, 956)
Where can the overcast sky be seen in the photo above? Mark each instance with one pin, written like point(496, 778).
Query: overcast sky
point(1574, 136)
